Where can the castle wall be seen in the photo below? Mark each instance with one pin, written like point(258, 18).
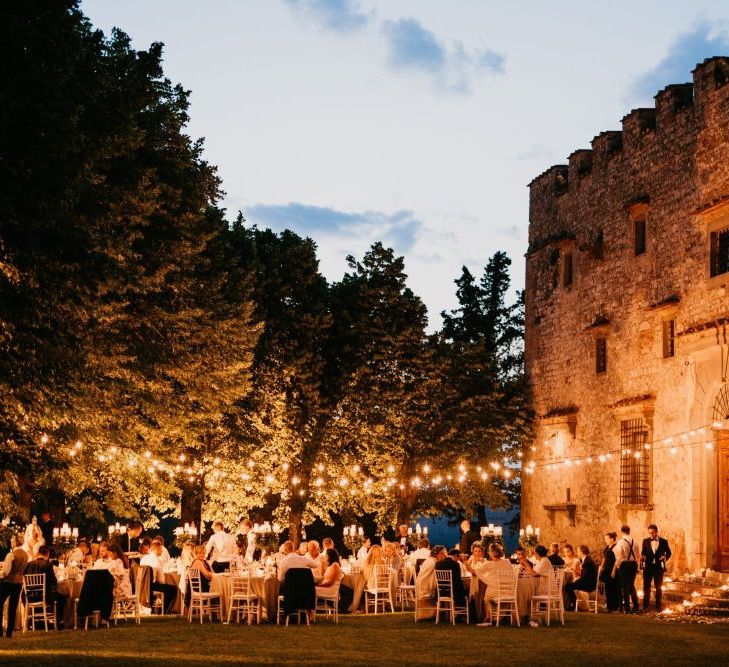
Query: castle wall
point(670, 166)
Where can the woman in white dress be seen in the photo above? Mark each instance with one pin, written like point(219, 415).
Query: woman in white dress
point(33, 539)
point(118, 567)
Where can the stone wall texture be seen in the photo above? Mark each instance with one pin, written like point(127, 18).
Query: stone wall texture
point(669, 166)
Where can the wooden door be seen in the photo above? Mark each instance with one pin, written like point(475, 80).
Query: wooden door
point(723, 509)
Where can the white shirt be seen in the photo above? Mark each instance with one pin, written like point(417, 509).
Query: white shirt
point(416, 555)
point(101, 564)
point(294, 561)
point(543, 567)
point(488, 571)
point(7, 564)
point(222, 547)
point(623, 549)
point(153, 561)
point(362, 553)
point(654, 545)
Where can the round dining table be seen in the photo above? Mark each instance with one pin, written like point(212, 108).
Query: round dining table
point(266, 588)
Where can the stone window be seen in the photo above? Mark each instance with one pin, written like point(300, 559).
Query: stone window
point(669, 338)
point(600, 354)
point(567, 269)
point(720, 252)
point(634, 463)
point(639, 236)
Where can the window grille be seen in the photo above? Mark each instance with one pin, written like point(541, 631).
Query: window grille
point(640, 237)
point(634, 463)
point(720, 252)
point(669, 338)
point(600, 354)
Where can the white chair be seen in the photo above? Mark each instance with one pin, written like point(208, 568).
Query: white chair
point(327, 601)
point(405, 587)
point(34, 594)
point(280, 613)
point(445, 600)
point(379, 591)
point(504, 597)
point(550, 598)
point(201, 602)
point(128, 606)
point(243, 601)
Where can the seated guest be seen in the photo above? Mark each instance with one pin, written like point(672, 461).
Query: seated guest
point(145, 546)
point(119, 569)
point(80, 553)
point(303, 548)
point(42, 565)
point(94, 552)
point(187, 555)
point(200, 565)
point(571, 561)
point(333, 574)
point(292, 560)
point(587, 581)
point(222, 548)
point(488, 572)
point(402, 539)
point(374, 558)
point(165, 554)
point(554, 556)
point(476, 558)
point(425, 579)
point(452, 563)
point(102, 562)
point(362, 553)
point(541, 568)
point(313, 551)
point(154, 560)
point(391, 552)
point(468, 537)
point(422, 552)
point(327, 543)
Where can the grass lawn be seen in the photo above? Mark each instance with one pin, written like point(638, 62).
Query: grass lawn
point(382, 640)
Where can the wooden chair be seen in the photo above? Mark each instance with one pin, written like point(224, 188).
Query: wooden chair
point(379, 592)
point(504, 597)
point(242, 598)
point(201, 602)
point(445, 601)
point(36, 609)
point(550, 599)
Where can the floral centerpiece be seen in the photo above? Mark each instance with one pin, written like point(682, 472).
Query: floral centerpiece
point(186, 534)
point(353, 538)
point(267, 536)
point(529, 537)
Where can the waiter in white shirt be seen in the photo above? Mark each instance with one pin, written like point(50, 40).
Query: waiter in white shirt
point(222, 549)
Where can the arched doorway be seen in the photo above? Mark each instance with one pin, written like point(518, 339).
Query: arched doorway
point(720, 419)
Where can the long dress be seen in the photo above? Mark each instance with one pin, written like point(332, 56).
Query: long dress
point(122, 582)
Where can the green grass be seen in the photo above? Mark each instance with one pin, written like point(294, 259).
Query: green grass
point(382, 640)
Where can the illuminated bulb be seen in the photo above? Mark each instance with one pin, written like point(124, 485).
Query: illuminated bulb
point(437, 480)
point(216, 461)
point(462, 478)
point(391, 469)
point(520, 455)
point(637, 455)
point(71, 452)
point(320, 467)
point(692, 433)
point(449, 477)
point(507, 473)
point(608, 456)
point(534, 449)
point(709, 445)
point(189, 471)
point(402, 486)
point(567, 462)
point(150, 470)
point(484, 476)
point(356, 468)
point(78, 444)
point(295, 481)
point(181, 457)
point(191, 479)
point(114, 450)
point(285, 466)
point(589, 459)
point(301, 492)
point(601, 458)
point(461, 467)
point(646, 446)
point(251, 464)
point(578, 462)
point(426, 468)
point(343, 482)
point(229, 486)
point(495, 465)
point(529, 471)
point(269, 479)
point(44, 439)
point(148, 454)
point(318, 481)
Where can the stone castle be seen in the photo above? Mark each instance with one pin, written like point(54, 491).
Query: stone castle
point(627, 330)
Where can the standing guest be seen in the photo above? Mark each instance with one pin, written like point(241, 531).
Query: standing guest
point(571, 561)
point(80, 553)
point(626, 567)
point(452, 564)
point(291, 560)
point(102, 562)
point(47, 525)
point(246, 540)
point(119, 569)
point(11, 574)
point(654, 555)
point(133, 537)
point(32, 539)
point(468, 537)
point(607, 575)
point(154, 560)
point(403, 540)
point(554, 556)
point(222, 548)
point(362, 552)
point(587, 581)
point(42, 565)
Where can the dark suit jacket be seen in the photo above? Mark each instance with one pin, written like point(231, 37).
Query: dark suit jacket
point(650, 559)
point(43, 566)
point(467, 539)
point(459, 592)
point(556, 560)
point(588, 575)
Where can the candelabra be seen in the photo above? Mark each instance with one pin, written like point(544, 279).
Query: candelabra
point(186, 534)
point(529, 537)
point(353, 538)
point(266, 536)
point(65, 537)
point(491, 534)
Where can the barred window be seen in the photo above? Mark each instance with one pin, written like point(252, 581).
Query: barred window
point(669, 338)
point(720, 252)
point(634, 463)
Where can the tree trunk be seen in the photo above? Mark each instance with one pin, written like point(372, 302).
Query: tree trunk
point(295, 526)
point(191, 503)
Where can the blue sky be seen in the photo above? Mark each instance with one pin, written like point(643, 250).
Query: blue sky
point(414, 122)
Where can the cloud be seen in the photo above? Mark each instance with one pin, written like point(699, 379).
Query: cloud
point(334, 15)
point(706, 40)
point(452, 67)
point(399, 230)
point(536, 151)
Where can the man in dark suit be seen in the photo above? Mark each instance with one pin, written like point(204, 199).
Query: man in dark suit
point(42, 565)
point(451, 562)
point(654, 555)
point(47, 525)
point(554, 557)
point(587, 581)
point(468, 537)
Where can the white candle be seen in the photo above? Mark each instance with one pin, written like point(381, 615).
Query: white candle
point(410, 530)
point(425, 530)
point(521, 532)
point(74, 532)
point(536, 532)
point(56, 532)
point(529, 530)
point(361, 531)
